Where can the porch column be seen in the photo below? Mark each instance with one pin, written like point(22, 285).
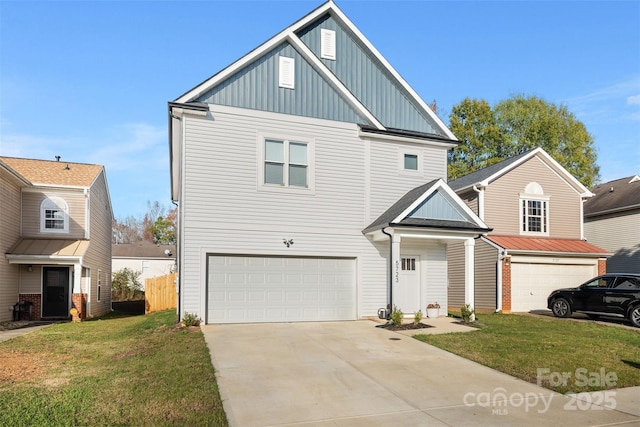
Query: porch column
point(395, 262)
point(76, 287)
point(469, 273)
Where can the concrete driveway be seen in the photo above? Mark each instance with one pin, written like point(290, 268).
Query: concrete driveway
point(354, 374)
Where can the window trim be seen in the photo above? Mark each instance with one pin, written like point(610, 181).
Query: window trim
point(401, 157)
point(287, 139)
point(47, 204)
point(523, 215)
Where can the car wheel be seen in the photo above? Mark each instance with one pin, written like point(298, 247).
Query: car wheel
point(634, 316)
point(561, 308)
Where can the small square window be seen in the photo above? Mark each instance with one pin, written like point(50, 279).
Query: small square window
point(286, 163)
point(411, 162)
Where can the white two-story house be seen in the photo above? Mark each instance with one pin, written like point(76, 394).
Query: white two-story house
point(310, 180)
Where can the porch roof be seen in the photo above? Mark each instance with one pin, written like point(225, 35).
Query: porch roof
point(399, 214)
point(32, 250)
point(548, 245)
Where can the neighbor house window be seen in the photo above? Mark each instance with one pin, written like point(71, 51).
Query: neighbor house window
point(54, 215)
point(286, 163)
point(534, 216)
point(534, 210)
point(99, 284)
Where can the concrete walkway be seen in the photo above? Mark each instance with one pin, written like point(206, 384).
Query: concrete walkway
point(8, 334)
point(354, 374)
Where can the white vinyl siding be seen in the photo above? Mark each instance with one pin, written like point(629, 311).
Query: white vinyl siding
point(249, 220)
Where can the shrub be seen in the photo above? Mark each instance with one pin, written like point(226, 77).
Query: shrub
point(417, 317)
point(125, 285)
point(190, 319)
point(396, 316)
point(467, 313)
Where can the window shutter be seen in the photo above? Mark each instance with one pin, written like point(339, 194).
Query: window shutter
point(328, 44)
point(287, 72)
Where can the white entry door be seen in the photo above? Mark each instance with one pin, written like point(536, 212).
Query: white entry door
point(406, 295)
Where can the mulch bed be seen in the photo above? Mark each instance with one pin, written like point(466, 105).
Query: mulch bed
point(406, 327)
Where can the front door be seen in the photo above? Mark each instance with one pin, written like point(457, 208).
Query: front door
point(407, 291)
point(55, 291)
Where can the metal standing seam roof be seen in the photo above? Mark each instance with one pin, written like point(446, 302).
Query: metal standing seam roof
point(550, 245)
point(54, 172)
point(49, 247)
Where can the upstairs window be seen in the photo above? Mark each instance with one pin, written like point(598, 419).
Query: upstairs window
point(534, 208)
point(286, 163)
point(411, 162)
point(54, 215)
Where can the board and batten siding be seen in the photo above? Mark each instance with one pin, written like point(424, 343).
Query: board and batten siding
point(9, 234)
point(502, 201)
point(226, 210)
point(606, 231)
point(31, 202)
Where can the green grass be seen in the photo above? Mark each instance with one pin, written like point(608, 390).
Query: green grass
point(116, 371)
point(519, 345)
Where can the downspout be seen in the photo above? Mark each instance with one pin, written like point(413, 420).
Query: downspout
point(390, 273)
point(480, 192)
point(177, 260)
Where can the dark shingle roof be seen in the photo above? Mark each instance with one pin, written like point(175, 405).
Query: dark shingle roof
point(482, 174)
point(612, 196)
point(142, 249)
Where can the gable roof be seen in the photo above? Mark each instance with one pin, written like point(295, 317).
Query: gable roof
point(483, 177)
point(44, 172)
point(143, 249)
point(614, 196)
point(400, 213)
point(362, 101)
point(546, 245)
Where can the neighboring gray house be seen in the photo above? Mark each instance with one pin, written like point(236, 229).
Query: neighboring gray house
point(612, 220)
point(146, 257)
point(537, 244)
point(309, 177)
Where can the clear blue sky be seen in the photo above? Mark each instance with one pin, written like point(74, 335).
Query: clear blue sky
point(90, 80)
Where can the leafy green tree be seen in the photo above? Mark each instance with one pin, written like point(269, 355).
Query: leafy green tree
point(125, 284)
point(164, 230)
point(474, 124)
point(515, 125)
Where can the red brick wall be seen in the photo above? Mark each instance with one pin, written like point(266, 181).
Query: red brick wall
point(79, 302)
point(506, 285)
point(602, 266)
point(36, 300)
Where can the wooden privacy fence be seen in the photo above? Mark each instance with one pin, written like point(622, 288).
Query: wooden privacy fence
point(160, 293)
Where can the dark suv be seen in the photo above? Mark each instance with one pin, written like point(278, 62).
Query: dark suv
point(613, 295)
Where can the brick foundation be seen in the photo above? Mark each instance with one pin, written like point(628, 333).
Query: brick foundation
point(36, 300)
point(506, 285)
point(79, 302)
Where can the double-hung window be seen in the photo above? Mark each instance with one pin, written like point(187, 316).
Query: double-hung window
point(534, 216)
point(286, 163)
point(54, 215)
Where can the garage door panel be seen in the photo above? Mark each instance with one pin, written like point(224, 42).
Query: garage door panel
point(280, 289)
point(531, 283)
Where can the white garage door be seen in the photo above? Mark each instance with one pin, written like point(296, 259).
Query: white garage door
point(532, 283)
point(246, 289)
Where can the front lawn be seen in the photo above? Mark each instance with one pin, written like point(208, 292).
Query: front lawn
point(138, 370)
point(566, 355)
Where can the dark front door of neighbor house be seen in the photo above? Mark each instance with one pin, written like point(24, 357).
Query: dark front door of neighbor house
point(55, 291)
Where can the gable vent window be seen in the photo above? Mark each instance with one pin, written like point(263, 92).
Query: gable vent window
point(287, 72)
point(327, 44)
